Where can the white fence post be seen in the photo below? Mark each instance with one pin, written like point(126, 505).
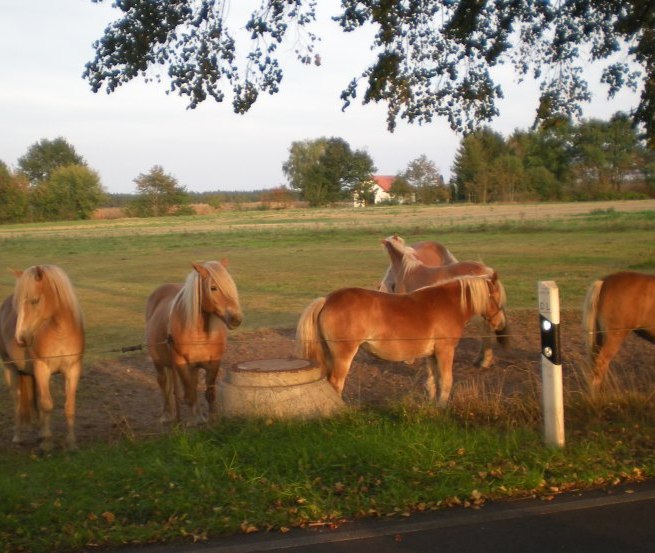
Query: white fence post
point(551, 364)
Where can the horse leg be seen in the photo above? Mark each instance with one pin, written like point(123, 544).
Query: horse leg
point(441, 366)
point(339, 358)
point(72, 377)
point(165, 379)
point(11, 379)
point(610, 347)
point(211, 373)
point(46, 405)
point(486, 354)
point(188, 375)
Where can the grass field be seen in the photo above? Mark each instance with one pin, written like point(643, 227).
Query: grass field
point(240, 476)
point(281, 260)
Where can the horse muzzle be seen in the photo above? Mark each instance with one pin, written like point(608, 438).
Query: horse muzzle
point(233, 320)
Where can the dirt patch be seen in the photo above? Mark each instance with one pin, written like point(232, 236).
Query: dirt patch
point(119, 397)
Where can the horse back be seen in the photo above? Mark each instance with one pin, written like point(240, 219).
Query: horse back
point(627, 300)
point(433, 254)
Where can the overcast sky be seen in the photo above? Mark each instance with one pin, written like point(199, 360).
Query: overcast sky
point(44, 45)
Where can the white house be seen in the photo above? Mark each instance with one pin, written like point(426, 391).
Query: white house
point(380, 190)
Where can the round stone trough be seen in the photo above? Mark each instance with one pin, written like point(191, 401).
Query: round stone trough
point(277, 388)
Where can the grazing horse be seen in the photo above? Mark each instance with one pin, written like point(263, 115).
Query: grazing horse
point(614, 306)
point(186, 330)
point(411, 273)
point(398, 327)
point(41, 334)
point(430, 253)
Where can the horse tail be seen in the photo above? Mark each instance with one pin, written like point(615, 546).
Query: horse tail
point(590, 323)
point(26, 398)
point(308, 343)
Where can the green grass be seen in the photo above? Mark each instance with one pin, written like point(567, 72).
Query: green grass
point(239, 476)
point(252, 475)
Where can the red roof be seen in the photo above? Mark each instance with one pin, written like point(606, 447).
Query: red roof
point(384, 181)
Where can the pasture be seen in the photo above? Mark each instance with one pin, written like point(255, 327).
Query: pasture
point(280, 261)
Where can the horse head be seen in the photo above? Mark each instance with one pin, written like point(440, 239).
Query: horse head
point(495, 312)
point(219, 292)
point(32, 303)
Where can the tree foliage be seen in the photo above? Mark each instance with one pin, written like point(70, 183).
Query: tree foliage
point(587, 161)
point(13, 196)
point(71, 192)
point(327, 170)
point(433, 58)
point(43, 157)
point(158, 194)
point(426, 181)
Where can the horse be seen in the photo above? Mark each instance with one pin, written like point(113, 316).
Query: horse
point(186, 330)
point(411, 273)
point(614, 306)
point(428, 322)
point(428, 252)
point(41, 334)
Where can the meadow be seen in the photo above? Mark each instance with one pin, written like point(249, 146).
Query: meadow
point(381, 459)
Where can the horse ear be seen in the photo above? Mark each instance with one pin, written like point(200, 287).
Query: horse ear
point(16, 272)
point(200, 269)
point(39, 272)
point(224, 262)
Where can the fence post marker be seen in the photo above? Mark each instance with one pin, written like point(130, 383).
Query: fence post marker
point(551, 364)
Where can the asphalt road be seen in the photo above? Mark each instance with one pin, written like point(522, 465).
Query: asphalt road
point(621, 520)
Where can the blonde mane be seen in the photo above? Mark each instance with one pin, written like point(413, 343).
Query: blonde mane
point(409, 260)
point(478, 292)
point(54, 280)
point(189, 297)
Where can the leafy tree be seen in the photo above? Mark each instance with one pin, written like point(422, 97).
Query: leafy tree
point(401, 190)
point(71, 192)
point(434, 58)
point(45, 156)
point(473, 166)
point(13, 196)
point(604, 153)
point(326, 170)
point(426, 181)
point(158, 194)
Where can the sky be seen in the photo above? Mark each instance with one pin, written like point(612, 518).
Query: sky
point(44, 45)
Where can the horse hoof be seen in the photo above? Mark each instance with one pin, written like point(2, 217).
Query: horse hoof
point(46, 445)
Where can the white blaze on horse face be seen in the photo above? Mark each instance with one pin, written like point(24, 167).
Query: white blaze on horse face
point(223, 306)
point(26, 314)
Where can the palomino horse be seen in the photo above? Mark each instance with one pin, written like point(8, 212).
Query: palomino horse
point(411, 273)
point(430, 253)
point(186, 330)
point(398, 327)
point(41, 333)
point(614, 306)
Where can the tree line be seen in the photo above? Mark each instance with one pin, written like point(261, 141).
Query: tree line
point(562, 161)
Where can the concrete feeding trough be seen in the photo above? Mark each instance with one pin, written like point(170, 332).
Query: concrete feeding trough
point(277, 388)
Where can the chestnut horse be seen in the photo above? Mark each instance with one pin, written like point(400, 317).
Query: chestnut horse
point(41, 334)
point(411, 273)
point(186, 330)
point(428, 322)
point(614, 306)
point(430, 253)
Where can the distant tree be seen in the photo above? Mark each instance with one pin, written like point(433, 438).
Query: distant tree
point(604, 154)
point(426, 181)
point(158, 194)
point(473, 165)
point(45, 156)
point(71, 192)
point(326, 170)
point(13, 196)
point(431, 59)
point(401, 190)
point(278, 197)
